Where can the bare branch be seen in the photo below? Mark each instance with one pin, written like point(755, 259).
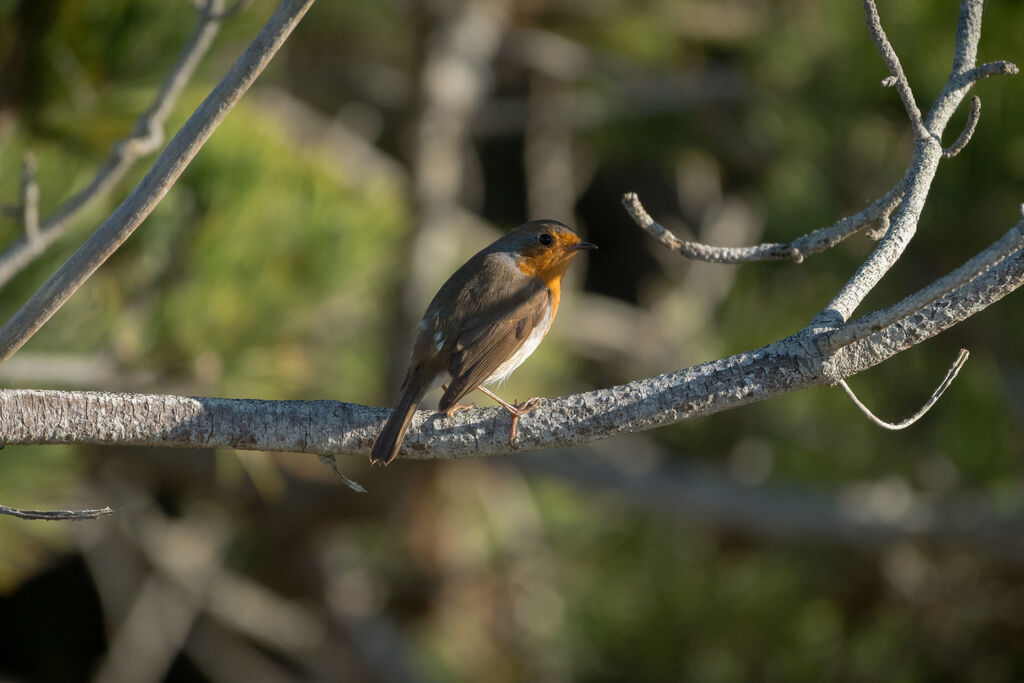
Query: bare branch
point(954, 370)
point(923, 165)
point(869, 324)
point(30, 198)
point(156, 183)
point(895, 69)
point(806, 245)
point(968, 131)
point(56, 515)
point(331, 427)
point(971, 76)
point(146, 137)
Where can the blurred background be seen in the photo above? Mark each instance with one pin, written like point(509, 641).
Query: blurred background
point(789, 540)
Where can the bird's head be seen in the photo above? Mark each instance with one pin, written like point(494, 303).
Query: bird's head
point(543, 249)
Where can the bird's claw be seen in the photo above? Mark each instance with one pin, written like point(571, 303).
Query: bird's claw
point(457, 407)
point(520, 409)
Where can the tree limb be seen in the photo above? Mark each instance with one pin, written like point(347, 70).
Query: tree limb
point(803, 360)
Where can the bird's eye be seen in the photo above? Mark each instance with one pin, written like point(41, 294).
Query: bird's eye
point(544, 239)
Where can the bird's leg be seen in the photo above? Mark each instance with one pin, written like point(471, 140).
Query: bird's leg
point(516, 409)
point(457, 407)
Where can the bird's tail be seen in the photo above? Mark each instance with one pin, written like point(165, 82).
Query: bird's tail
point(385, 448)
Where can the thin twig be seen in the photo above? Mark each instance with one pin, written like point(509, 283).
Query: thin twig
point(146, 137)
point(56, 515)
point(892, 61)
point(806, 245)
point(174, 159)
point(971, 76)
point(30, 198)
point(950, 376)
point(351, 483)
point(968, 131)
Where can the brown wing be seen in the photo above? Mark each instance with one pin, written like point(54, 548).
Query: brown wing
point(483, 346)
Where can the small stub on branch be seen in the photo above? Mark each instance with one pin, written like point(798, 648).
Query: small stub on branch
point(888, 81)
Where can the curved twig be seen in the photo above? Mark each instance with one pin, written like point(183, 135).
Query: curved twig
point(951, 374)
point(807, 245)
point(967, 132)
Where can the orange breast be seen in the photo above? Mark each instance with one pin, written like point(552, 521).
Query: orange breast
point(549, 269)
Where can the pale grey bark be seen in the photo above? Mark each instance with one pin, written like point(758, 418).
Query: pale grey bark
point(825, 352)
point(332, 427)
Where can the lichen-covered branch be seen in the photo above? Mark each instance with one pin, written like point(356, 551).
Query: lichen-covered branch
point(331, 427)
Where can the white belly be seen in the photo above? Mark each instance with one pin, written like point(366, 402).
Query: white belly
point(529, 346)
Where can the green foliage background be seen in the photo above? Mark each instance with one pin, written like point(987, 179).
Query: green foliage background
point(271, 271)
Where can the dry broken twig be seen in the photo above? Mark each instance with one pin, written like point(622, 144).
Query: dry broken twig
point(56, 515)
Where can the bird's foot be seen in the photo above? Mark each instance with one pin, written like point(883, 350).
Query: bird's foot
point(518, 410)
point(457, 407)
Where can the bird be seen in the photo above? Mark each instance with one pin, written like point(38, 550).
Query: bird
point(486, 319)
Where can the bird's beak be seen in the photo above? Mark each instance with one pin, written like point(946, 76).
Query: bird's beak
point(580, 246)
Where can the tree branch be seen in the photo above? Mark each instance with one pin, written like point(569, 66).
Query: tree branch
point(145, 138)
point(331, 427)
point(156, 183)
point(923, 165)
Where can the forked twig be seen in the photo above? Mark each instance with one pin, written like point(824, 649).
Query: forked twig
point(897, 78)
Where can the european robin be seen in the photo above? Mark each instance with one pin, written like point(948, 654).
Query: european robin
point(483, 323)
